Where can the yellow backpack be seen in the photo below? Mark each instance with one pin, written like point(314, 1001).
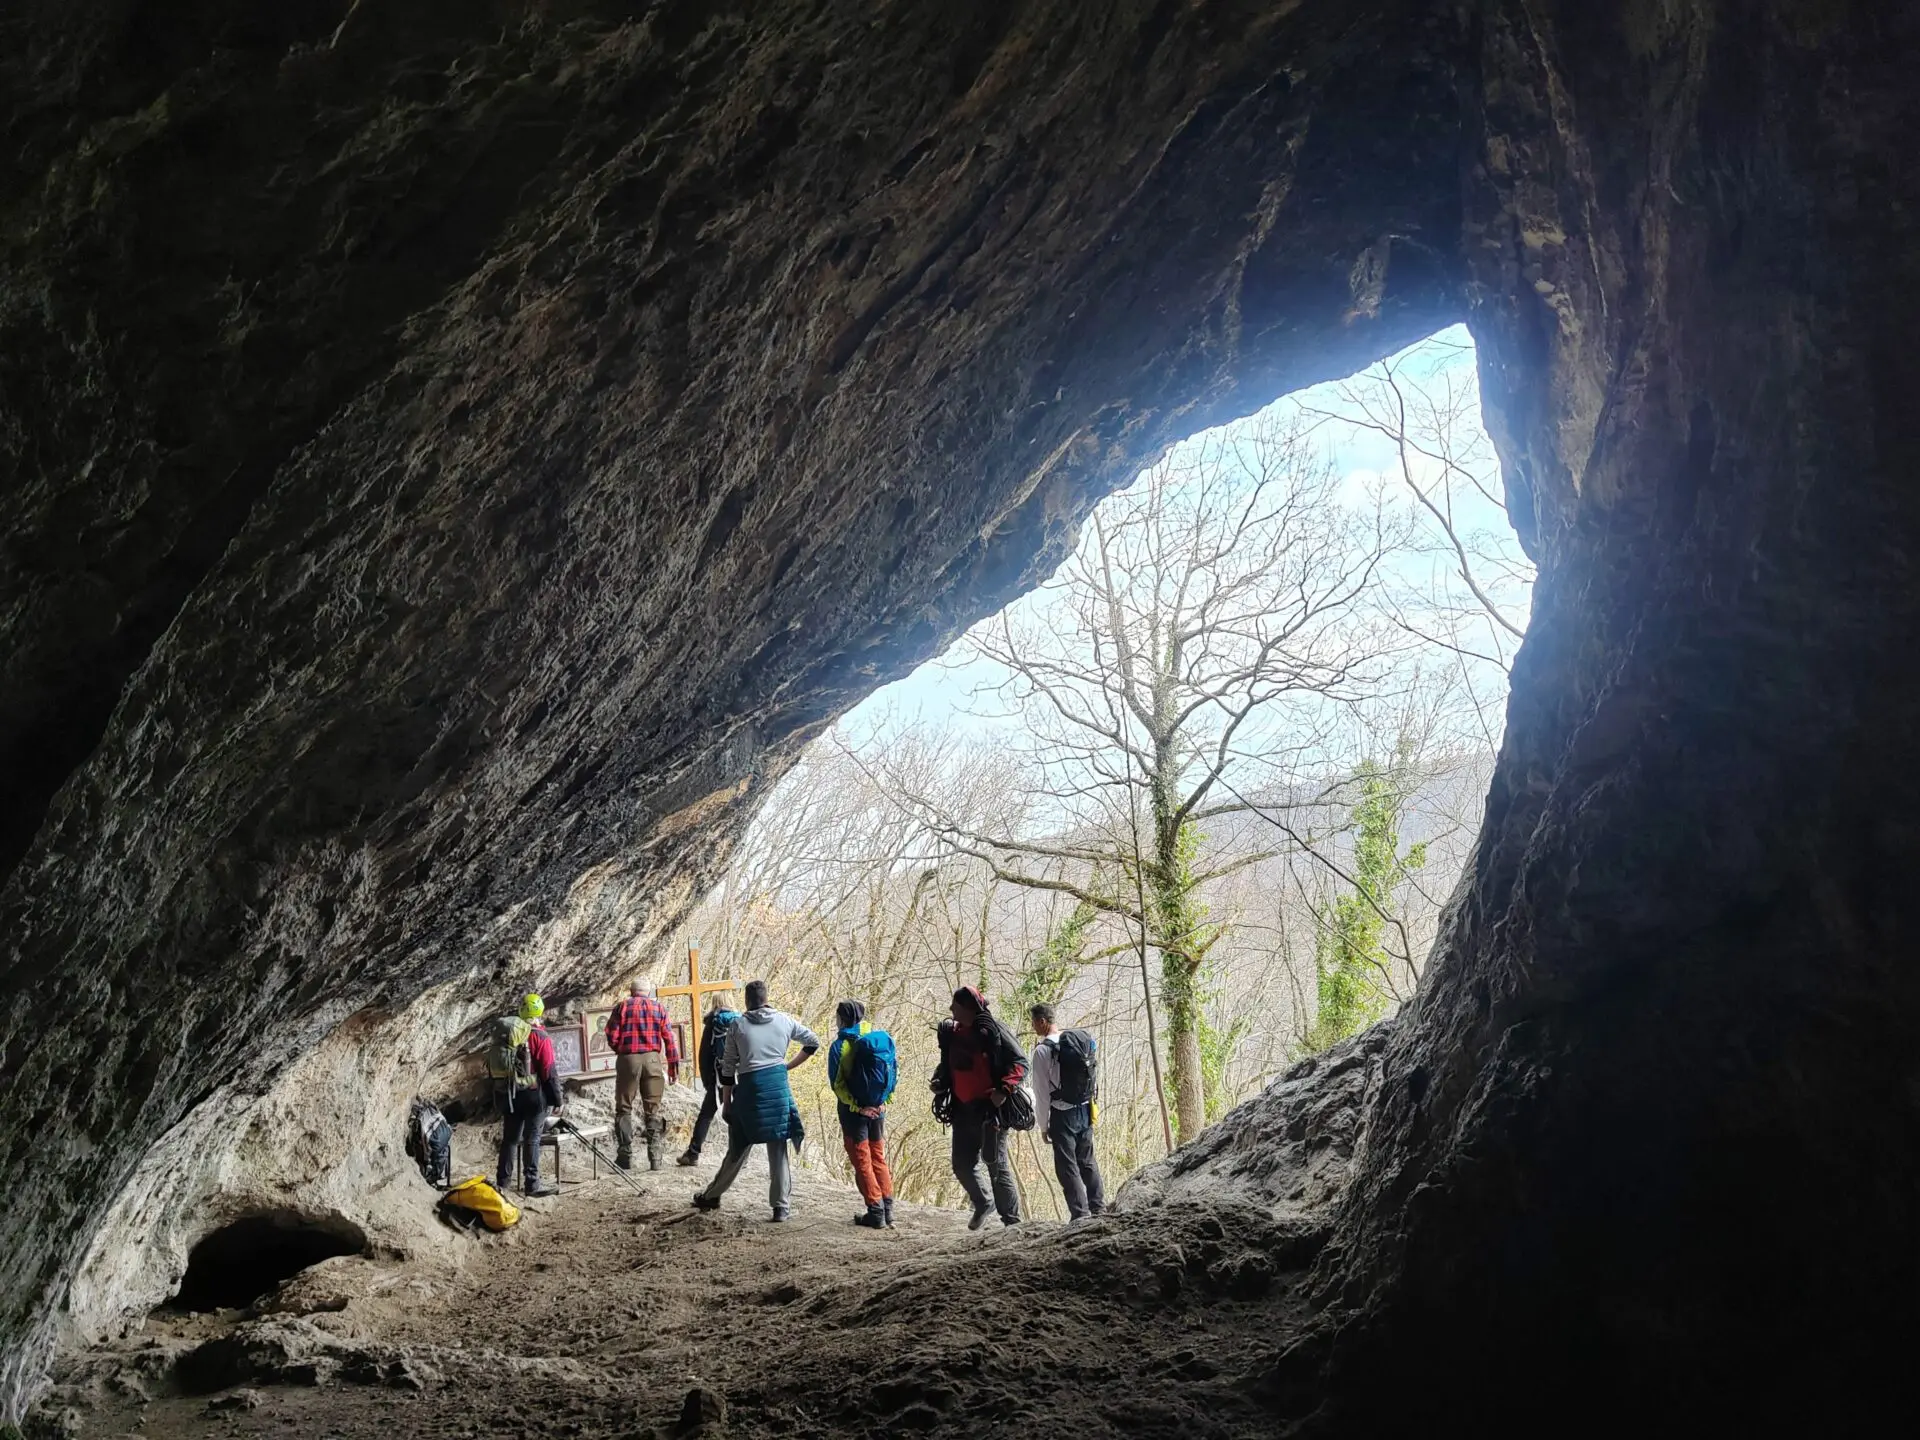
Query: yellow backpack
point(477, 1198)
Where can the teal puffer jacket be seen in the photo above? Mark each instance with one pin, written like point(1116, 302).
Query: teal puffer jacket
point(763, 1108)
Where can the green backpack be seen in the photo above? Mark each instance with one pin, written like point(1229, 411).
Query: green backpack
point(509, 1057)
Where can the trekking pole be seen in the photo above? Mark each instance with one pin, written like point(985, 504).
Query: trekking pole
point(567, 1127)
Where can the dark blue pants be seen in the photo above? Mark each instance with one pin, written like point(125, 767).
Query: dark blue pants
point(1071, 1134)
point(521, 1126)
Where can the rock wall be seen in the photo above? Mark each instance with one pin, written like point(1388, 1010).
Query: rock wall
point(323, 1137)
point(322, 1144)
point(1653, 1129)
point(1650, 1133)
point(1288, 1151)
point(456, 448)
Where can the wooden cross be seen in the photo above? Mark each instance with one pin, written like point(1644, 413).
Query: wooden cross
point(694, 989)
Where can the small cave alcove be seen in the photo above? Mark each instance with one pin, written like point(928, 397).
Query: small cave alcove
point(247, 1258)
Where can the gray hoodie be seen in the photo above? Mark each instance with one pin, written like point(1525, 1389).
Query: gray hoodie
point(761, 1038)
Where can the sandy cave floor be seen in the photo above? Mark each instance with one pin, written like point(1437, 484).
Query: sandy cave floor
point(603, 1310)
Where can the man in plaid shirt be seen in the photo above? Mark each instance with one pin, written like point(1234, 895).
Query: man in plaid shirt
point(647, 1060)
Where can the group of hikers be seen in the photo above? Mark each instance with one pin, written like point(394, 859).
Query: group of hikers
point(985, 1088)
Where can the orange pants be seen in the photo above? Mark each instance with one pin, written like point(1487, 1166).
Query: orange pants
point(864, 1137)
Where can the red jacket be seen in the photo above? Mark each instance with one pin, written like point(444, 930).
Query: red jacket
point(540, 1051)
point(973, 1062)
point(639, 1024)
point(968, 1067)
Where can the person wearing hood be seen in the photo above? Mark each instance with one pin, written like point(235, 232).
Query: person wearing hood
point(756, 1099)
point(721, 1018)
point(981, 1064)
point(862, 1070)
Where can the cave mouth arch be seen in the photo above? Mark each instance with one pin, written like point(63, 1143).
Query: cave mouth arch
point(1390, 477)
point(248, 1258)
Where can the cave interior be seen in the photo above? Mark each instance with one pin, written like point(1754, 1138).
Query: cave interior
point(455, 454)
point(248, 1258)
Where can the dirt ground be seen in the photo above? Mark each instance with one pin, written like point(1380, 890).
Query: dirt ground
point(606, 1312)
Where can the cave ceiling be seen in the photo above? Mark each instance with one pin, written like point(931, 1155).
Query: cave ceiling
point(453, 454)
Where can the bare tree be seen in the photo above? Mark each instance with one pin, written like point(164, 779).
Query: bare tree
point(1471, 600)
point(1201, 642)
point(1172, 736)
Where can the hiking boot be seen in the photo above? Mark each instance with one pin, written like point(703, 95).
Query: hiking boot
point(538, 1191)
point(692, 1157)
point(980, 1214)
point(780, 1213)
point(653, 1157)
point(874, 1219)
point(704, 1201)
point(886, 1212)
point(625, 1162)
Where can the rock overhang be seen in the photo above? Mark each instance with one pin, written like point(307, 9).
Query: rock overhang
point(455, 448)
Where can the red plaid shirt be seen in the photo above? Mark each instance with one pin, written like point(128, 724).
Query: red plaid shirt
point(639, 1023)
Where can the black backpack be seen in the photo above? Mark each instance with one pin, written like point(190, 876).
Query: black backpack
point(1079, 1067)
point(430, 1143)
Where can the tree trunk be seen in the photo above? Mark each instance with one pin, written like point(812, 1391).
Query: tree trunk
point(1179, 966)
point(1177, 975)
point(1189, 1088)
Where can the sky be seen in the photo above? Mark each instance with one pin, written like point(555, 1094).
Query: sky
point(942, 691)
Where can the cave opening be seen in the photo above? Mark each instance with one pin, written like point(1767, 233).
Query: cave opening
point(248, 1258)
point(457, 455)
point(1351, 592)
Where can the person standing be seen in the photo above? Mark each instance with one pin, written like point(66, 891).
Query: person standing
point(1064, 1089)
point(756, 1098)
point(721, 1017)
point(863, 1070)
point(981, 1065)
point(526, 1085)
point(646, 1061)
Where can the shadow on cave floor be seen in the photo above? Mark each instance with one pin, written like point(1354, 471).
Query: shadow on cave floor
point(603, 1310)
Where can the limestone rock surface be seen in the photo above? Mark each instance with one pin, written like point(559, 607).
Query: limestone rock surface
point(1288, 1150)
point(452, 454)
point(456, 453)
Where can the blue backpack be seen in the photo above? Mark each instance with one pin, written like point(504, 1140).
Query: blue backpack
point(872, 1068)
point(719, 1024)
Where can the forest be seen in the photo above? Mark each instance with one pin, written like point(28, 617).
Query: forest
point(1206, 791)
